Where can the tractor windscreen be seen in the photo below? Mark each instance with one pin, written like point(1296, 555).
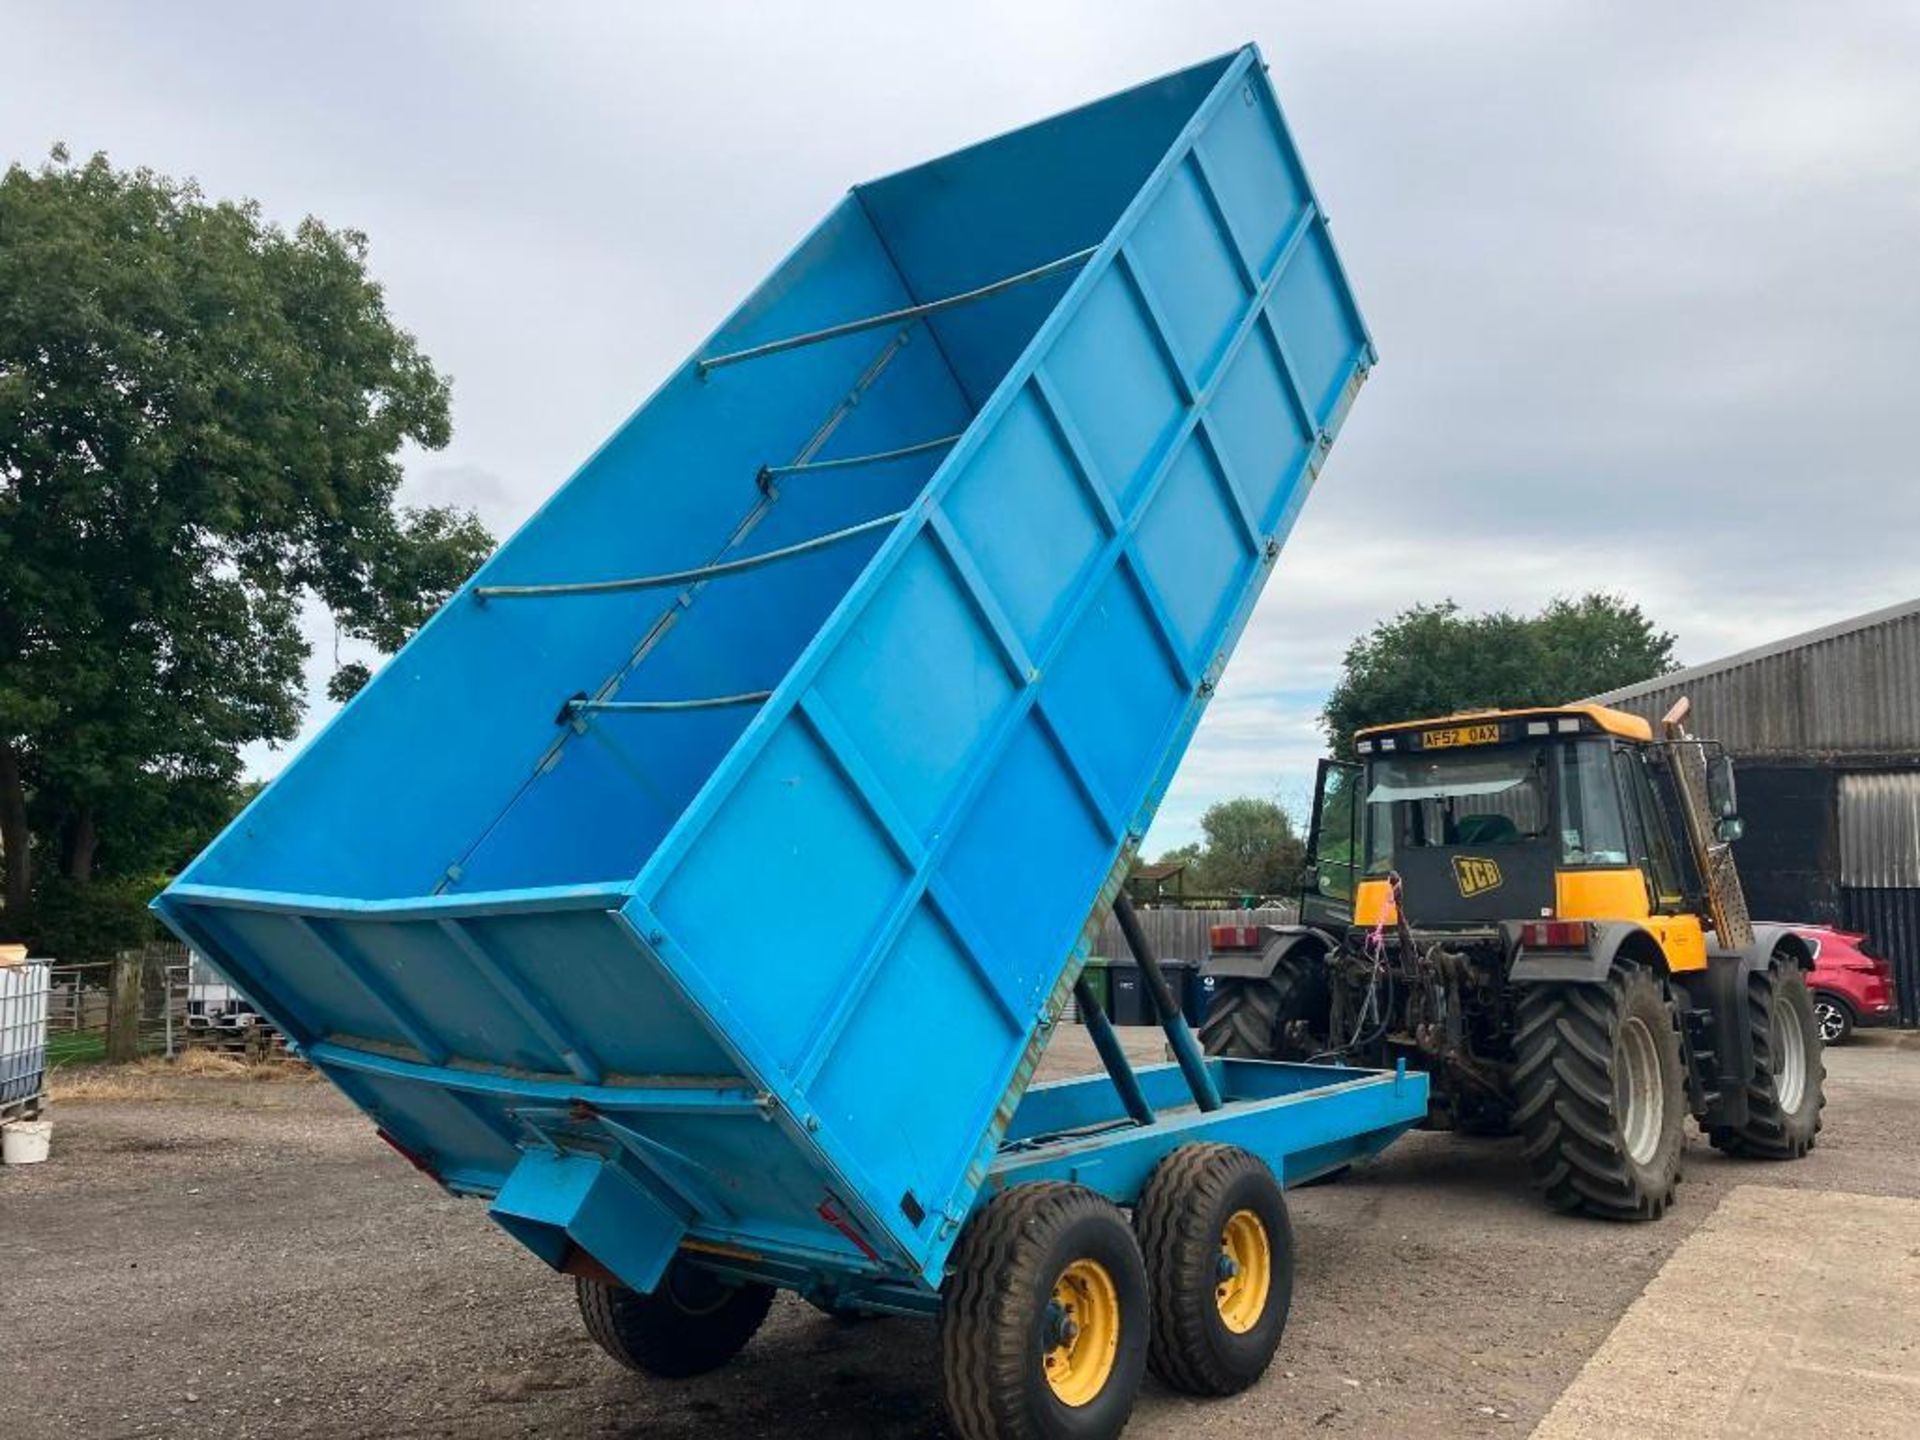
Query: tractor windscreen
point(1489, 797)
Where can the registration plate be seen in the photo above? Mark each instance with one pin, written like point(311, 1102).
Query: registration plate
point(1460, 735)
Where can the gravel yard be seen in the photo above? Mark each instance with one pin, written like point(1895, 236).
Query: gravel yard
point(234, 1258)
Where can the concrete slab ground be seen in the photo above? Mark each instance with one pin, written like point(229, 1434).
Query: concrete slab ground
point(1788, 1313)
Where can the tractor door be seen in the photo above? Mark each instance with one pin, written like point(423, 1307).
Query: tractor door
point(1333, 847)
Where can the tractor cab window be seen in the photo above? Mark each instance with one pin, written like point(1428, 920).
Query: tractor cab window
point(1485, 798)
point(1658, 847)
point(1592, 827)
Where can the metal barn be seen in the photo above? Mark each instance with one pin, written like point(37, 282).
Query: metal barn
point(1826, 729)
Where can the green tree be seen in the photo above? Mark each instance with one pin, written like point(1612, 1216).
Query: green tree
point(201, 416)
point(1434, 660)
point(1250, 848)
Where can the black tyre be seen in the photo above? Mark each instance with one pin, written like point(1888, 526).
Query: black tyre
point(1213, 1227)
point(1043, 1330)
point(1835, 1018)
point(1248, 1018)
point(1787, 1087)
point(1601, 1095)
point(694, 1322)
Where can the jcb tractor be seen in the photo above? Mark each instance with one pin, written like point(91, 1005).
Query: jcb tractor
point(1540, 909)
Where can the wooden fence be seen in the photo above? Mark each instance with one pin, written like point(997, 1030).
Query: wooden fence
point(119, 1009)
point(1182, 934)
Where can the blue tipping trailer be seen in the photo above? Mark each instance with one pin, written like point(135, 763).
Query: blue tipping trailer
point(704, 881)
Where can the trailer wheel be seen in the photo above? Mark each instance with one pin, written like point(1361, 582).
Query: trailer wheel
point(1601, 1095)
point(1247, 1018)
point(1213, 1226)
point(1043, 1329)
point(1787, 1087)
point(694, 1322)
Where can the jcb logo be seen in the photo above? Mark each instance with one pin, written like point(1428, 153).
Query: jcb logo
point(1475, 876)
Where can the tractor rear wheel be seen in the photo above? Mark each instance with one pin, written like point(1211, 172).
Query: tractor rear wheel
point(1601, 1095)
point(1043, 1325)
point(1787, 1087)
point(1248, 1017)
point(1213, 1226)
point(692, 1323)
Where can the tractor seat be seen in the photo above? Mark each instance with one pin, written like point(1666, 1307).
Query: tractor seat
point(1486, 830)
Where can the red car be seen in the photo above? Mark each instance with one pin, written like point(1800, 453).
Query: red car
point(1851, 985)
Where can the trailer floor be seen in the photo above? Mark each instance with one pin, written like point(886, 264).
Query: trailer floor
point(235, 1259)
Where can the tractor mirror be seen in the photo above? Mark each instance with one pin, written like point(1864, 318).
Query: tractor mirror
point(1310, 879)
point(1724, 799)
point(1721, 795)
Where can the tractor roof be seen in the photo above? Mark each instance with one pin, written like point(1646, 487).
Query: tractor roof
point(1597, 717)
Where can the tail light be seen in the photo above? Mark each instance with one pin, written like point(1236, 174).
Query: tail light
point(1864, 963)
point(1554, 935)
point(1234, 937)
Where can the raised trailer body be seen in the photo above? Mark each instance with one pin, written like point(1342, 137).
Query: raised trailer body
point(708, 875)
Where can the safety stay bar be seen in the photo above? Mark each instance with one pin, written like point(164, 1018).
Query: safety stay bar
point(1166, 1006)
point(770, 473)
point(580, 705)
point(895, 317)
point(484, 593)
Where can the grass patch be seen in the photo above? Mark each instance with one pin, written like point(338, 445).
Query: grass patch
point(76, 1048)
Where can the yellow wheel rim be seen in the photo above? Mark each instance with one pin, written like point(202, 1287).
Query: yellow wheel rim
point(1246, 1272)
point(1082, 1332)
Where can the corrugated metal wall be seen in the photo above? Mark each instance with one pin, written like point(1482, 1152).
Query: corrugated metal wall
point(1852, 689)
point(1891, 919)
point(1826, 726)
point(1880, 829)
point(1880, 872)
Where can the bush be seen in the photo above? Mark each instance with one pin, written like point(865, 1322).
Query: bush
point(73, 922)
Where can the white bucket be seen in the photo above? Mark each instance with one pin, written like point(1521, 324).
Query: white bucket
point(26, 1142)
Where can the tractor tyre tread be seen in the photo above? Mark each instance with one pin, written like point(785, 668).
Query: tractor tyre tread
point(1770, 1133)
point(1249, 1015)
point(1564, 1103)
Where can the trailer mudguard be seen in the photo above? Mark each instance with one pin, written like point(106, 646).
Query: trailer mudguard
point(556, 1203)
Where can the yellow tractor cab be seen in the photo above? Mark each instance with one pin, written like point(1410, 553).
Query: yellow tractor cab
point(1529, 815)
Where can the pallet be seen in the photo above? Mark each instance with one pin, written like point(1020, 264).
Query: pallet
point(257, 1042)
point(25, 1107)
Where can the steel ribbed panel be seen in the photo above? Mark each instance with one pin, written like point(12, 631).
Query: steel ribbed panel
point(1880, 829)
point(1851, 689)
point(1891, 920)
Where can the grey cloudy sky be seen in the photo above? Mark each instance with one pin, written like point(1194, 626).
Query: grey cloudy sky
point(1645, 278)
